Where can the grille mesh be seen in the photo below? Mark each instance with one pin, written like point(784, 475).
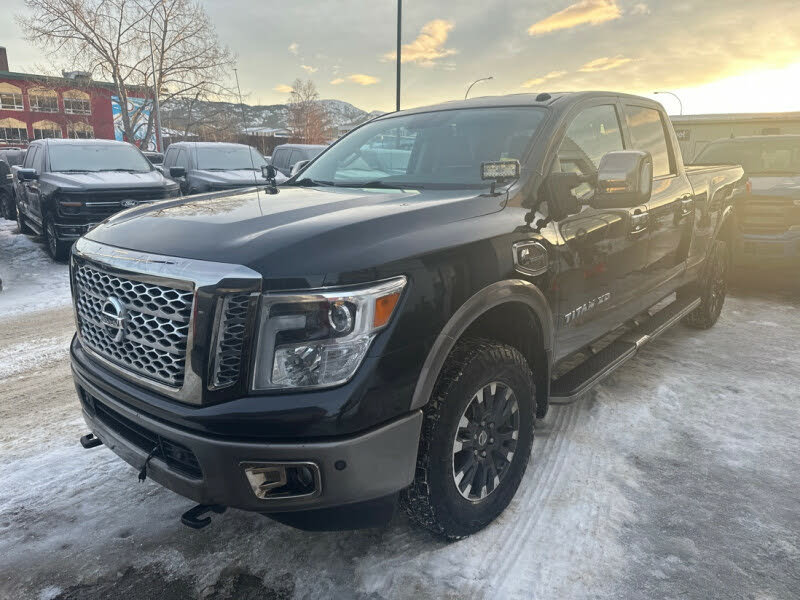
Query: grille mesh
point(156, 324)
point(231, 340)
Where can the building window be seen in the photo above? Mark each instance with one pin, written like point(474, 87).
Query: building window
point(43, 100)
point(77, 103)
point(10, 97)
point(13, 132)
point(46, 129)
point(80, 131)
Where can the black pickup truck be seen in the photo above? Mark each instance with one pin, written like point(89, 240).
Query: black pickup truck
point(390, 322)
point(65, 187)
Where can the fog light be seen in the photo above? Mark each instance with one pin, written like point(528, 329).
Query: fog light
point(283, 480)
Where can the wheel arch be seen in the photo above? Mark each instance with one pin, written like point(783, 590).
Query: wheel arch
point(502, 302)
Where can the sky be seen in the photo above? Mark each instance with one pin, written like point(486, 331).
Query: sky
point(717, 55)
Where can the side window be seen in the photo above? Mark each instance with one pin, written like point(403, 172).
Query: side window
point(279, 158)
point(294, 157)
point(647, 133)
point(169, 158)
point(29, 156)
point(182, 160)
point(593, 132)
point(38, 160)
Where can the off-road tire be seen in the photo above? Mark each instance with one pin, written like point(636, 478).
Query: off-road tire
point(21, 224)
point(713, 288)
point(58, 250)
point(7, 208)
point(433, 500)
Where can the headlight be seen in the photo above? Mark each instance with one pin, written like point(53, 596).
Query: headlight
point(319, 339)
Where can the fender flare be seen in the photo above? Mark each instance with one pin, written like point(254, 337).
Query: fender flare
point(727, 213)
point(501, 292)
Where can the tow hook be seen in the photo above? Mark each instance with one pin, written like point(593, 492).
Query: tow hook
point(89, 441)
point(192, 517)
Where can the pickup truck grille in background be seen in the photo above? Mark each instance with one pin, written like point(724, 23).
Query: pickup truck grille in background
point(156, 323)
point(767, 215)
point(106, 203)
point(230, 340)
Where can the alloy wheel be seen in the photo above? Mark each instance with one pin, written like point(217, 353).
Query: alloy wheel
point(485, 441)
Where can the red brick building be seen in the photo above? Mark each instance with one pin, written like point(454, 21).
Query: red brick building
point(38, 106)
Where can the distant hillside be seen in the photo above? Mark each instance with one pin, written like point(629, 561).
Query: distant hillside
point(270, 115)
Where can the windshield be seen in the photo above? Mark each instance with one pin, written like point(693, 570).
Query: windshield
point(442, 149)
point(97, 157)
point(758, 156)
point(229, 158)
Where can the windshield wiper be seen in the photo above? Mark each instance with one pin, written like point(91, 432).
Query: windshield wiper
point(380, 185)
point(118, 171)
point(72, 171)
point(307, 182)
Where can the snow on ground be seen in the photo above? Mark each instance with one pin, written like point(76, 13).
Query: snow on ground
point(675, 478)
point(32, 280)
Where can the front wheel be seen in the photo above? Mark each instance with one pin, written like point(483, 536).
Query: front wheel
point(713, 288)
point(57, 249)
point(476, 439)
point(21, 224)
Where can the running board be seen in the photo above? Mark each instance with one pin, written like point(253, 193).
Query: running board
point(571, 385)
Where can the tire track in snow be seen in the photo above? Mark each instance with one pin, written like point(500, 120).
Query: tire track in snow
point(538, 492)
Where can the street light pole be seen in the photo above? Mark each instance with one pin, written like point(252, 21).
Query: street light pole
point(399, 48)
point(674, 95)
point(474, 82)
point(156, 107)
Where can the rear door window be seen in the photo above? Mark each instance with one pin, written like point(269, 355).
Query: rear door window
point(647, 133)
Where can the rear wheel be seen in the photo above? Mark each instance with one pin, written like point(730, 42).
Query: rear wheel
point(713, 289)
point(476, 439)
point(57, 249)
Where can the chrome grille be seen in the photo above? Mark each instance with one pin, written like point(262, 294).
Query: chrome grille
point(232, 325)
point(767, 215)
point(156, 323)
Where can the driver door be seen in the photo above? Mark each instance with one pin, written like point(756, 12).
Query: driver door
point(603, 252)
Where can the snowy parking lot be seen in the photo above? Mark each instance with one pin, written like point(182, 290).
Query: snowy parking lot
point(675, 478)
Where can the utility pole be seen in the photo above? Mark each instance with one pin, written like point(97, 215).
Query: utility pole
point(156, 107)
point(399, 47)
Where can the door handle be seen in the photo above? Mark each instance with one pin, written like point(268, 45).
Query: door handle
point(639, 223)
point(687, 206)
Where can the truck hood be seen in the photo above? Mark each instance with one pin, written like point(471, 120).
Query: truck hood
point(81, 182)
point(300, 234)
point(237, 177)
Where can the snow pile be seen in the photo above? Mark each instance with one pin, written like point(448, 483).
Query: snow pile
point(32, 280)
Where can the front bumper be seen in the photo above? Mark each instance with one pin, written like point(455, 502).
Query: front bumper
point(768, 250)
point(353, 469)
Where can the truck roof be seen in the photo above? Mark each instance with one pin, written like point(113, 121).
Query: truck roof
point(523, 99)
point(207, 144)
point(78, 142)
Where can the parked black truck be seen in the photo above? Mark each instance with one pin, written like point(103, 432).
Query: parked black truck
point(66, 186)
point(213, 166)
point(9, 158)
point(390, 323)
point(768, 215)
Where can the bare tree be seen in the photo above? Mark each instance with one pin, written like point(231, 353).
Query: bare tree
point(308, 120)
point(115, 40)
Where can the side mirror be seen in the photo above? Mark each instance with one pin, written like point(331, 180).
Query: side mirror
point(298, 166)
point(269, 172)
point(177, 172)
point(159, 168)
point(624, 180)
point(27, 174)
